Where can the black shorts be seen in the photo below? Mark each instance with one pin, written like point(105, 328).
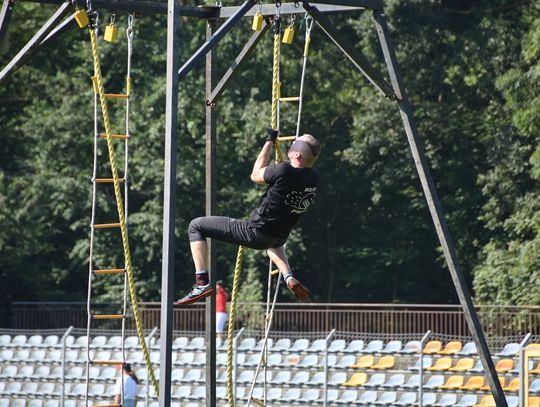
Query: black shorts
point(235, 231)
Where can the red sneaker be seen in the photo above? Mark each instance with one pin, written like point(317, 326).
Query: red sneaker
point(300, 292)
point(198, 292)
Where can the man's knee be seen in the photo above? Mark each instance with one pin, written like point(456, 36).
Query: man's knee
point(195, 230)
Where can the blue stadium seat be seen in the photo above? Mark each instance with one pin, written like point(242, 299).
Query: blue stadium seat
point(53, 356)
point(42, 373)
point(5, 340)
point(182, 392)
point(177, 375)
point(35, 403)
point(9, 371)
point(193, 376)
point(317, 346)
point(392, 347)
point(308, 361)
point(447, 400)
point(535, 386)
point(18, 403)
point(337, 378)
point(181, 342)
point(221, 393)
point(38, 355)
point(47, 389)
point(478, 368)
point(429, 399)
point(28, 390)
point(197, 343)
point(99, 342)
point(299, 378)
point(75, 373)
point(25, 372)
point(347, 397)
point(386, 398)
point(317, 380)
point(21, 356)
point(468, 400)
point(468, 349)
point(198, 393)
point(4, 402)
point(512, 401)
point(406, 399)
point(274, 360)
point(375, 380)
point(77, 391)
point(246, 376)
point(282, 377)
point(274, 394)
point(434, 382)
point(355, 346)
point(52, 403)
point(337, 345)
point(411, 347)
point(300, 345)
point(96, 389)
point(374, 346)
point(247, 344)
point(395, 381)
point(510, 349)
point(310, 397)
point(260, 344)
point(6, 355)
point(281, 345)
point(428, 361)
point(345, 361)
point(185, 358)
point(368, 397)
point(18, 341)
point(34, 341)
point(291, 395)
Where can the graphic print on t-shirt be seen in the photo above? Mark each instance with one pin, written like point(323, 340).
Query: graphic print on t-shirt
point(300, 201)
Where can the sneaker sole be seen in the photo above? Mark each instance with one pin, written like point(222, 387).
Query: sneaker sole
point(195, 299)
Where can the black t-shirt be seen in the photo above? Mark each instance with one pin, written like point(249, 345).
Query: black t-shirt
point(289, 194)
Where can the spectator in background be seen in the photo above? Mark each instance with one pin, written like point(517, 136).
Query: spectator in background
point(130, 380)
point(221, 308)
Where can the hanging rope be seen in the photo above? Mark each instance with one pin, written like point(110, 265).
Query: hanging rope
point(120, 209)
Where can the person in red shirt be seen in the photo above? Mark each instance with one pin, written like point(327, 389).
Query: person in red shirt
point(221, 308)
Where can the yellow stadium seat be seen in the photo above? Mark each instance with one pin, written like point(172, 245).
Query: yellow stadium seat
point(473, 383)
point(513, 385)
point(504, 365)
point(441, 364)
point(364, 362)
point(533, 346)
point(534, 401)
point(502, 381)
point(453, 382)
point(487, 401)
point(357, 379)
point(536, 370)
point(451, 348)
point(432, 347)
point(463, 365)
point(386, 362)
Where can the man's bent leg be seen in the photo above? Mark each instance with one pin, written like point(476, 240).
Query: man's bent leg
point(199, 252)
point(279, 257)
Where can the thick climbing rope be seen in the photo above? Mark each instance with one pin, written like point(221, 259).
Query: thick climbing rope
point(120, 209)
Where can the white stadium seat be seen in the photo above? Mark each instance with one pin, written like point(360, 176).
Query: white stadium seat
point(281, 345)
point(355, 346)
point(374, 346)
point(50, 341)
point(34, 341)
point(337, 345)
point(300, 345)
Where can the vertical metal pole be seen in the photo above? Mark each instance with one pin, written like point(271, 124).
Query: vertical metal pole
point(436, 210)
point(211, 186)
point(325, 386)
point(5, 16)
point(169, 205)
point(421, 372)
point(63, 364)
point(523, 370)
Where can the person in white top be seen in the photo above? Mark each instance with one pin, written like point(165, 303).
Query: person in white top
point(130, 381)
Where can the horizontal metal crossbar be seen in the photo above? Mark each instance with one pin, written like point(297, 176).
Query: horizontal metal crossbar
point(208, 12)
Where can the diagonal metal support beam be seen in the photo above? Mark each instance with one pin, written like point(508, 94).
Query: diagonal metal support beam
point(5, 16)
point(214, 39)
point(435, 209)
point(237, 64)
point(357, 57)
point(35, 42)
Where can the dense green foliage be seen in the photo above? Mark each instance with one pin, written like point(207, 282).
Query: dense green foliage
point(472, 69)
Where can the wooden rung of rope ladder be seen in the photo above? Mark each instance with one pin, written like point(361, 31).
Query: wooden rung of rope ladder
point(257, 402)
point(290, 99)
point(108, 405)
point(106, 316)
point(109, 271)
point(116, 96)
point(274, 272)
point(106, 225)
point(286, 138)
point(107, 362)
point(107, 180)
point(115, 136)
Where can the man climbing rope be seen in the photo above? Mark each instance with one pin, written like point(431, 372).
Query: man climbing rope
point(292, 188)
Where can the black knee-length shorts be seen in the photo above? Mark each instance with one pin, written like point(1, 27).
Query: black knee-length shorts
point(230, 230)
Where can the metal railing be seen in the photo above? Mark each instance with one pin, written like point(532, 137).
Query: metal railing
point(374, 318)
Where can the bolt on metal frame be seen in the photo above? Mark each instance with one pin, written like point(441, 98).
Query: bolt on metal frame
point(395, 91)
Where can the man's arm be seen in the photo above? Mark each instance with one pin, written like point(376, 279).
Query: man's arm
point(257, 173)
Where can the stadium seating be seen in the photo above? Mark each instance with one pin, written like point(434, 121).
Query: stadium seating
point(432, 347)
point(453, 383)
point(357, 379)
point(462, 365)
point(451, 348)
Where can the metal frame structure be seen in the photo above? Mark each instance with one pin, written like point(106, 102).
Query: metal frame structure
point(394, 90)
